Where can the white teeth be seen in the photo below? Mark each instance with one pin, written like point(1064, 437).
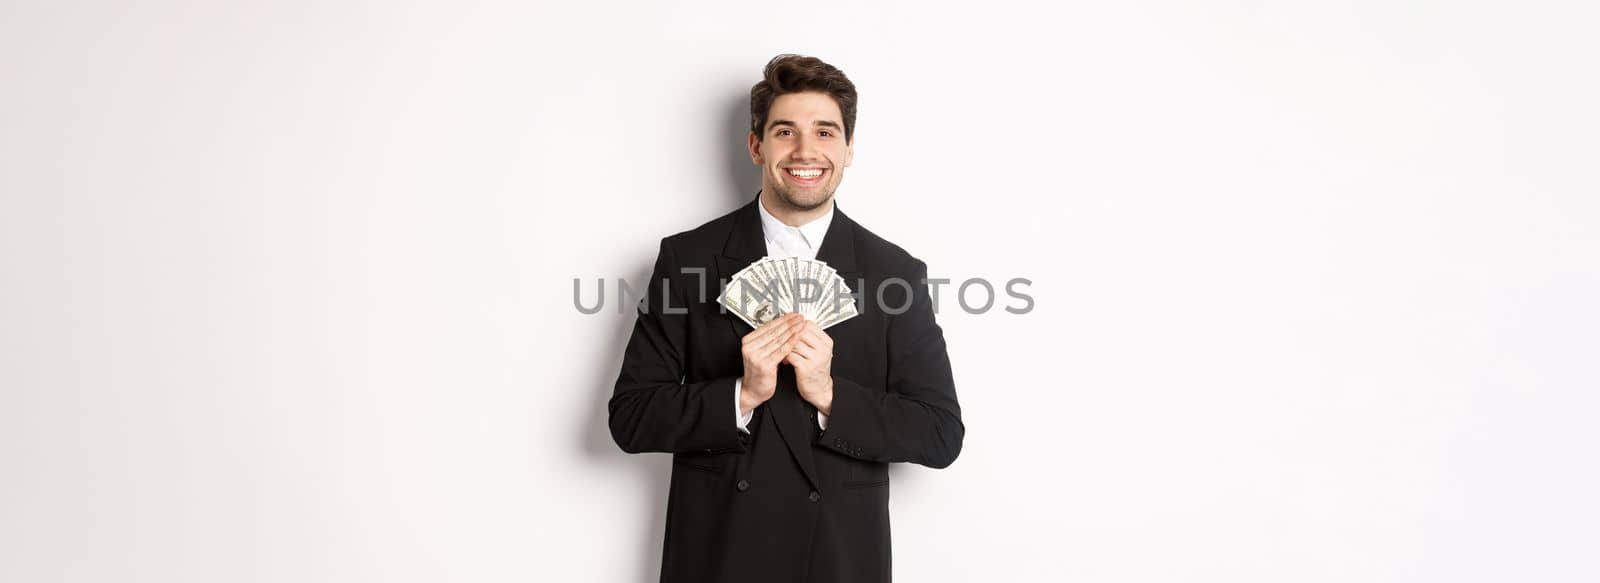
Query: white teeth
point(811, 173)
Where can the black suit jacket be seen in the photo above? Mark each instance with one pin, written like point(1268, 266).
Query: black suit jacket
point(789, 502)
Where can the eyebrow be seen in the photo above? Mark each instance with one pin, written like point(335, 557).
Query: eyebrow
point(784, 122)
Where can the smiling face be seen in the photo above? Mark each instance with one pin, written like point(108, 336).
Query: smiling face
point(803, 151)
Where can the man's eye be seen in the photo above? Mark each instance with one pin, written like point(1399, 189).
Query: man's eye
point(827, 133)
point(783, 132)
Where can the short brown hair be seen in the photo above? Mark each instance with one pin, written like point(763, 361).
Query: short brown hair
point(787, 74)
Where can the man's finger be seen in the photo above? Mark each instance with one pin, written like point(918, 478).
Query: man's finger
point(781, 342)
point(815, 337)
point(774, 340)
point(778, 328)
point(759, 334)
point(778, 353)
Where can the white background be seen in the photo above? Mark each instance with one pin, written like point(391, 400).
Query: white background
point(286, 288)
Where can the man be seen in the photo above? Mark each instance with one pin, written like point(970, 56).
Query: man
point(781, 436)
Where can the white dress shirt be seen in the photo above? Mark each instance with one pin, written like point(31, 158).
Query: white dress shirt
point(786, 241)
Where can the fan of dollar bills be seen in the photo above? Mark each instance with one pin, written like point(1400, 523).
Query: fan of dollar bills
point(774, 286)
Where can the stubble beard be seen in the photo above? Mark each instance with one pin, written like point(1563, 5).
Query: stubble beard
point(787, 198)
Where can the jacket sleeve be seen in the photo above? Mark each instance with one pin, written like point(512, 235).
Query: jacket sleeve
point(652, 409)
point(916, 417)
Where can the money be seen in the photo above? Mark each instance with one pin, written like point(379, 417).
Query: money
point(774, 286)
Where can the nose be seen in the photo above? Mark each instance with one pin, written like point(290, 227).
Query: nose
point(804, 148)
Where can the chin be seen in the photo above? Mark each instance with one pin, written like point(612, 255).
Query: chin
point(806, 203)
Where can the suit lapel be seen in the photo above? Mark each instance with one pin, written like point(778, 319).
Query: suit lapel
point(839, 252)
point(795, 419)
point(745, 245)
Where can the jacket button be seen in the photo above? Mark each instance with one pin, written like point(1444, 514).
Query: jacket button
point(743, 485)
point(814, 496)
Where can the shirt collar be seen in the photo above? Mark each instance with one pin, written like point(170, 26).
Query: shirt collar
point(812, 231)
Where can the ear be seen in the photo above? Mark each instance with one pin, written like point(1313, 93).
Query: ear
point(755, 150)
point(850, 151)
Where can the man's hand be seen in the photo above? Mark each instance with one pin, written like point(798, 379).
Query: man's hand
point(812, 359)
point(763, 348)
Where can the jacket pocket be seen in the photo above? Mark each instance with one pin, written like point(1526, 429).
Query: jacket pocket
point(865, 474)
point(866, 484)
point(706, 463)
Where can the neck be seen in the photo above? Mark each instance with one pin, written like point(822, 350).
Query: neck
point(789, 215)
